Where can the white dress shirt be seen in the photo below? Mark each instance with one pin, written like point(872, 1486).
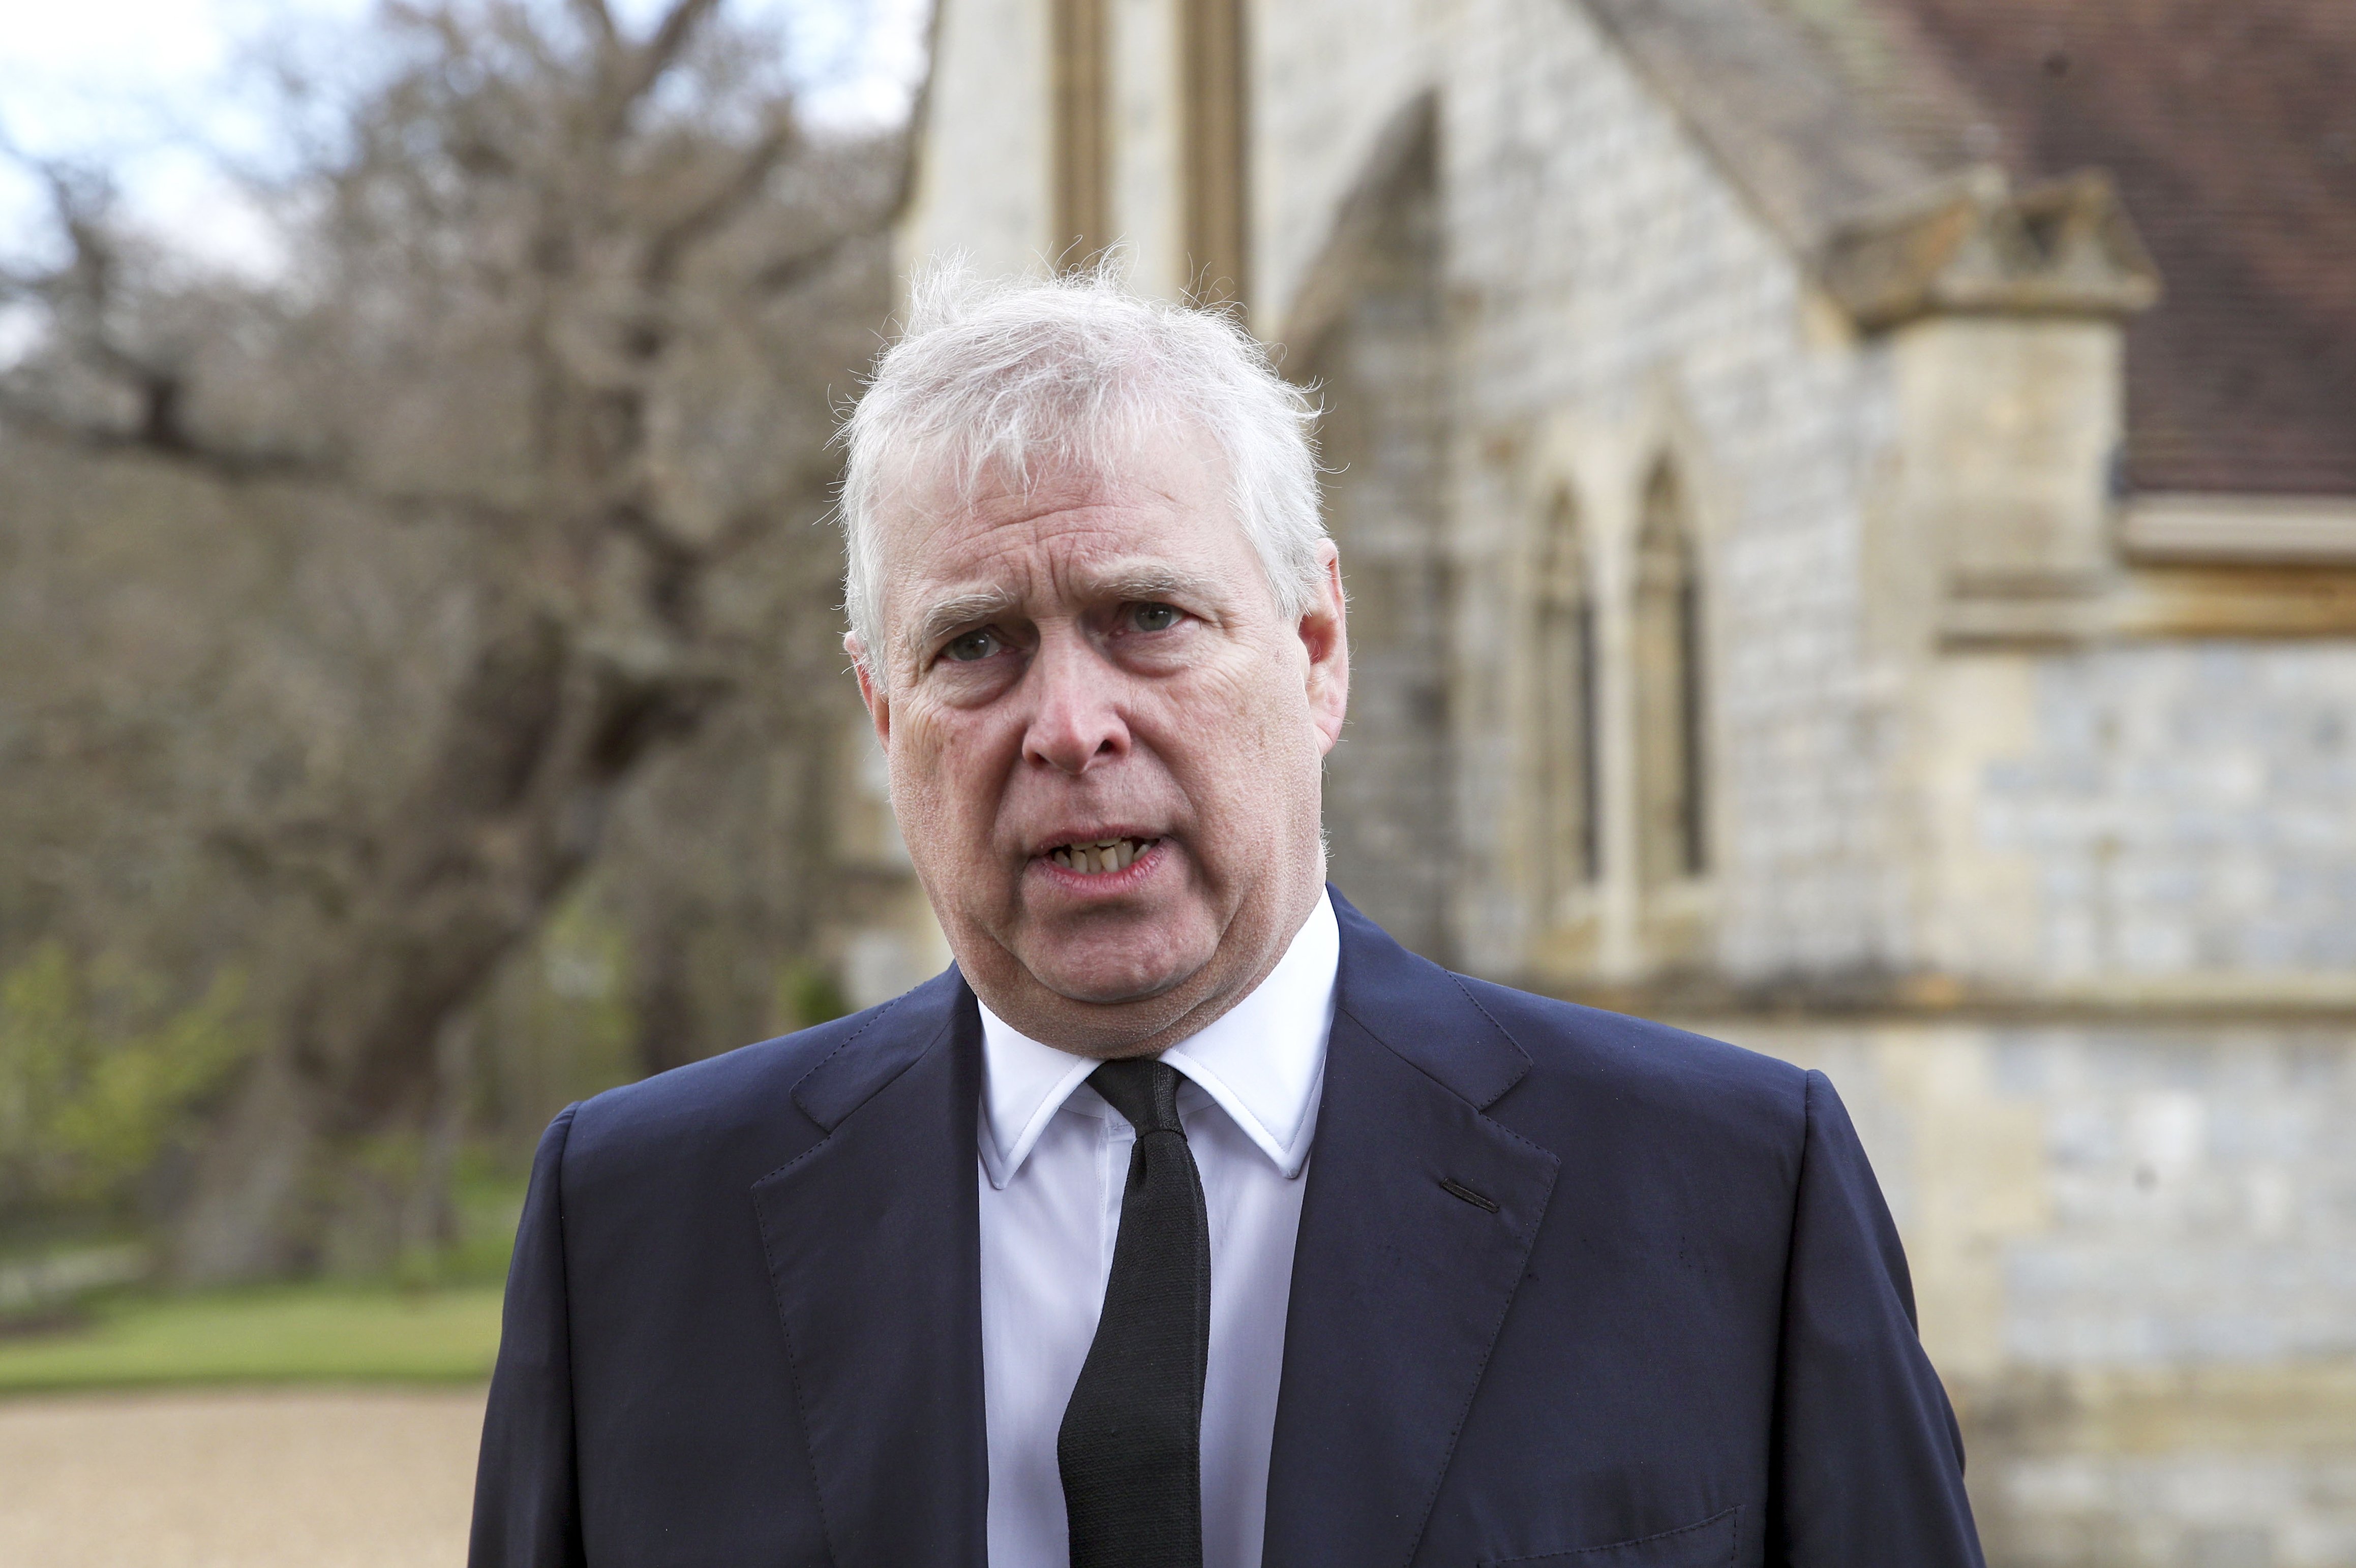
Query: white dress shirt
point(1055, 1158)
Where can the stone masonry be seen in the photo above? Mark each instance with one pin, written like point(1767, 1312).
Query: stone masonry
point(2046, 853)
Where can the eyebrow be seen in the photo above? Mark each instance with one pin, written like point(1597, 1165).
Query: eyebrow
point(960, 610)
point(1154, 580)
point(1150, 581)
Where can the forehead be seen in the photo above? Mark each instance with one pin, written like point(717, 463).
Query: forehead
point(1163, 497)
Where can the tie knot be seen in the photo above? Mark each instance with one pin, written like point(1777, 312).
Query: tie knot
point(1144, 1090)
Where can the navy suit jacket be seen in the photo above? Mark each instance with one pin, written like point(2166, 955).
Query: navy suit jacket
point(1572, 1289)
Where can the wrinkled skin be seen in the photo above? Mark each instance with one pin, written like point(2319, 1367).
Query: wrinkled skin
point(1088, 657)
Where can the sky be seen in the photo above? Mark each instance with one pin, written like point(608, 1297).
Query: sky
point(150, 87)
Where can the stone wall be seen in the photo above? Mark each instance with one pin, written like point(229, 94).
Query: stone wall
point(1619, 304)
point(982, 184)
point(2154, 818)
point(2134, 1248)
point(1382, 373)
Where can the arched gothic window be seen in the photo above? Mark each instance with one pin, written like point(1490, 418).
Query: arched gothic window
point(1567, 844)
point(1673, 805)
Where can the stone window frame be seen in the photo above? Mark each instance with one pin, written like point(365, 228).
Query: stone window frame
point(1079, 51)
point(1215, 148)
point(1677, 838)
point(1566, 718)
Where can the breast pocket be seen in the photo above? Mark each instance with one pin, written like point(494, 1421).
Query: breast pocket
point(1712, 1543)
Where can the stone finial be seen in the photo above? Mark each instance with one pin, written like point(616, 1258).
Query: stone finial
point(2063, 247)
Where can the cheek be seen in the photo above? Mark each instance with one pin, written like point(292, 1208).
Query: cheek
point(919, 770)
point(1239, 738)
point(943, 785)
point(1269, 705)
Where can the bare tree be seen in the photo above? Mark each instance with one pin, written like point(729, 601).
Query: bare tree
point(573, 297)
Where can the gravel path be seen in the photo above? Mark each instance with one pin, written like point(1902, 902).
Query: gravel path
point(336, 1479)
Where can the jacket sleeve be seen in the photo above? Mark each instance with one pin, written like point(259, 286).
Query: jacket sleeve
point(1867, 1465)
point(527, 1504)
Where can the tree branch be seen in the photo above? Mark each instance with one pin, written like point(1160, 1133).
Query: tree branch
point(727, 197)
point(789, 273)
point(81, 296)
point(599, 20)
point(161, 433)
point(249, 465)
point(645, 66)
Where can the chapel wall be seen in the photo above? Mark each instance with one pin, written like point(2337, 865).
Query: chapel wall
point(2128, 1244)
point(1381, 372)
point(2104, 883)
point(2158, 821)
point(1617, 305)
point(1328, 75)
point(982, 178)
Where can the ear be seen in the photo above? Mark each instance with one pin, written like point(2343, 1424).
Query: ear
point(871, 690)
point(1324, 633)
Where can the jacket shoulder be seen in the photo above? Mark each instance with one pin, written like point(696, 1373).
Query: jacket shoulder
point(1679, 1082)
point(740, 1108)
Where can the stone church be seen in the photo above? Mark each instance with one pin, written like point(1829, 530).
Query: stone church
point(1849, 508)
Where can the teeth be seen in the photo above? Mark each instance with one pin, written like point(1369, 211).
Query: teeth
point(1101, 856)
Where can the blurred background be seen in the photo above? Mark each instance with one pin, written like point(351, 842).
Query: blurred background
point(1850, 513)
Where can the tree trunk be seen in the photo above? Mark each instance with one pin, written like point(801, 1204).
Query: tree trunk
point(319, 1150)
point(669, 1029)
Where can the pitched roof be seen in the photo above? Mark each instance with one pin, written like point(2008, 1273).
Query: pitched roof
point(1796, 137)
point(2230, 128)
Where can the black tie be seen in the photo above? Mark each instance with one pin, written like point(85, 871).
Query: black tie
point(1130, 1447)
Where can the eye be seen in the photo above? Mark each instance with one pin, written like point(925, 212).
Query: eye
point(967, 646)
point(1153, 617)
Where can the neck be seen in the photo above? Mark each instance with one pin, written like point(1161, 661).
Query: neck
point(1111, 1031)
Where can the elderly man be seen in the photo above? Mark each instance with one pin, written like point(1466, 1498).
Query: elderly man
point(1187, 1220)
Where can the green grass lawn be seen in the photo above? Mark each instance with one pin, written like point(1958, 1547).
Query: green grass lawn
point(441, 1325)
point(313, 1333)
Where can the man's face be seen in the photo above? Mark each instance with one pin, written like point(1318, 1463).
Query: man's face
point(1105, 743)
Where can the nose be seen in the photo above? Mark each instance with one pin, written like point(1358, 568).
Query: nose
point(1078, 721)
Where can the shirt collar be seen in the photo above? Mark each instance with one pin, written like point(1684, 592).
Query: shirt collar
point(1263, 1061)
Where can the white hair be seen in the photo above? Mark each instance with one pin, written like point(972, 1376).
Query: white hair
point(1023, 375)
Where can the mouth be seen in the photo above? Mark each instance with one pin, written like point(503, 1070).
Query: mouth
point(1100, 857)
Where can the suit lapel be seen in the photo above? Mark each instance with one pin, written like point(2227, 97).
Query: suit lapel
point(1418, 1220)
point(873, 1244)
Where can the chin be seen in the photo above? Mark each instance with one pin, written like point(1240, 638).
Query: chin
point(1108, 973)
